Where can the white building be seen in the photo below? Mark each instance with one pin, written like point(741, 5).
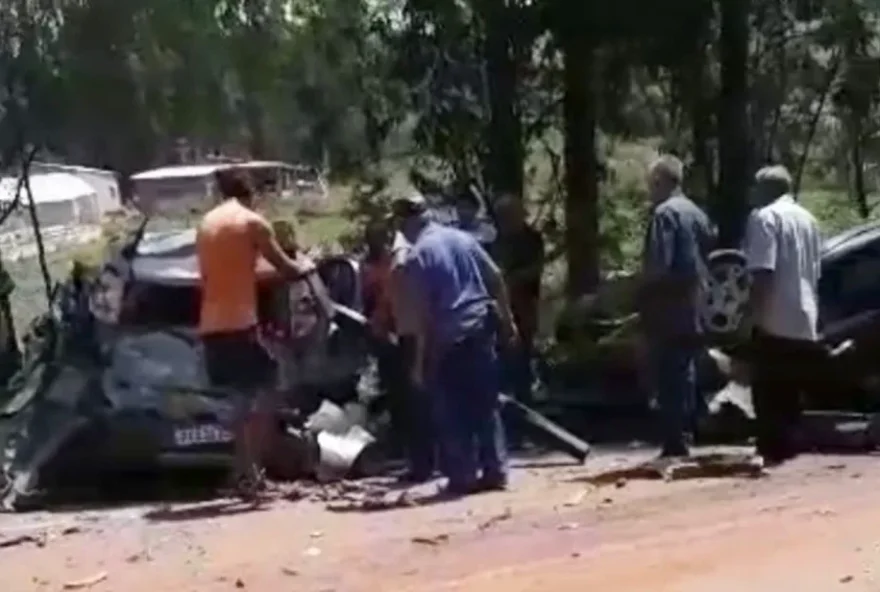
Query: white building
point(61, 199)
point(104, 182)
point(183, 188)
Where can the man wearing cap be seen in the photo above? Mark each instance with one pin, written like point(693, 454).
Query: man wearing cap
point(462, 299)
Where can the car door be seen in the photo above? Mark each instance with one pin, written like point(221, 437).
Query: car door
point(302, 353)
point(849, 309)
point(849, 289)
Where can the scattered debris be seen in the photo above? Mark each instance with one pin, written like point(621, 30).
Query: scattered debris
point(577, 499)
point(289, 572)
point(316, 534)
point(23, 539)
point(39, 535)
point(846, 579)
point(505, 515)
point(569, 526)
point(137, 557)
point(674, 469)
point(432, 541)
point(86, 582)
point(364, 497)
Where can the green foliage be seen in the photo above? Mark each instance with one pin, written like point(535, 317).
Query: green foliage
point(467, 88)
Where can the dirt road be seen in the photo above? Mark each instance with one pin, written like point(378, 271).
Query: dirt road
point(813, 525)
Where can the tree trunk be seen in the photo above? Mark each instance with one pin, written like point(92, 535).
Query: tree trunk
point(581, 167)
point(700, 112)
point(857, 165)
point(733, 125)
point(504, 166)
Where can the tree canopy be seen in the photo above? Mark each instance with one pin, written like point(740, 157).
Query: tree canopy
point(476, 86)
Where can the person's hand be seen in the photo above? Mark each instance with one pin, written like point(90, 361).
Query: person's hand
point(305, 265)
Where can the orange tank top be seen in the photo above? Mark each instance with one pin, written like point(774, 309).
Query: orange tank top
point(227, 255)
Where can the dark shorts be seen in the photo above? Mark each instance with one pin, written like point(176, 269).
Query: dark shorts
point(237, 360)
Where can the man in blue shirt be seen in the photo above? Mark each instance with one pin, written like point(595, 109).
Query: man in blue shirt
point(679, 235)
point(461, 301)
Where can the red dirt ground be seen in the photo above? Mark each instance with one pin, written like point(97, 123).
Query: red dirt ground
point(813, 525)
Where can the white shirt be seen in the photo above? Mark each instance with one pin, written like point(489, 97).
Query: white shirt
point(783, 237)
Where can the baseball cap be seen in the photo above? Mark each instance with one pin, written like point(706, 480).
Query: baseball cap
point(409, 204)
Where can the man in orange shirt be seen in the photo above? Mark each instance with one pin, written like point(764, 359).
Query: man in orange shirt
point(230, 241)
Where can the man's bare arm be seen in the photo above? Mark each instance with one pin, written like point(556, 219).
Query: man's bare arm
point(272, 252)
point(294, 269)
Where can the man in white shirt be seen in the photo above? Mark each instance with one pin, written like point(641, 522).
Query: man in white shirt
point(783, 249)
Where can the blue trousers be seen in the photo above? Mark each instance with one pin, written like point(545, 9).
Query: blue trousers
point(464, 385)
point(674, 372)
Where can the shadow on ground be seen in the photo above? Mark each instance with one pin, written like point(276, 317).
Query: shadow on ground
point(202, 511)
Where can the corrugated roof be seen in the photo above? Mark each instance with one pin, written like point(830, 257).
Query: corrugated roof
point(179, 171)
point(51, 167)
point(203, 170)
point(48, 187)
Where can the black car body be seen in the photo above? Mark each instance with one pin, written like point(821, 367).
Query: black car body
point(849, 312)
point(114, 378)
point(845, 375)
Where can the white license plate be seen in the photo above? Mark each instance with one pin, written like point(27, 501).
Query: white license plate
point(203, 434)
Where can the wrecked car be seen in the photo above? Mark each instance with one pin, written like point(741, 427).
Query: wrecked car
point(113, 377)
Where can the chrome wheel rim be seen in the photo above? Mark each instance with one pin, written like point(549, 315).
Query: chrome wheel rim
point(725, 296)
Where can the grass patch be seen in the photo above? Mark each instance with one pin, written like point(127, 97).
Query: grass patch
point(834, 210)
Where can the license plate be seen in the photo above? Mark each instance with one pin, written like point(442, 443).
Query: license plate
point(203, 434)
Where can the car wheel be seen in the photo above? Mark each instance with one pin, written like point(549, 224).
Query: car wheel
point(725, 293)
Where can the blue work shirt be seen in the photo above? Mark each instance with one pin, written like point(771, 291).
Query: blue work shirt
point(446, 265)
point(678, 240)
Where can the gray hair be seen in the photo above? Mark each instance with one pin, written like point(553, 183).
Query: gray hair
point(670, 167)
point(776, 176)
